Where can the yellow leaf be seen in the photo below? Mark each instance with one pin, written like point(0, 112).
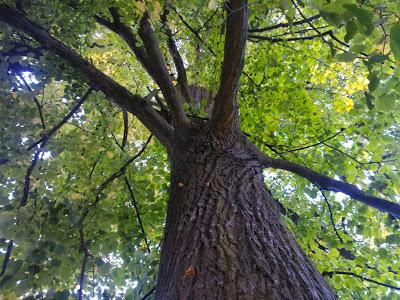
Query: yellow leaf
point(212, 5)
point(76, 196)
point(36, 121)
point(110, 154)
point(141, 6)
point(155, 13)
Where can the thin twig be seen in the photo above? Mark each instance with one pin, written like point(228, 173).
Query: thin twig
point(149, 293)
point(330, 274)
point(42, 142)
point(137, 213)
point(256, 38)
point(315, 144)
point(331, 216)
point(114, 176)
point(194, 32)
point(284, 25)
point(27, 180)
point(34, 99)
point(95, 164)
point(48, 134)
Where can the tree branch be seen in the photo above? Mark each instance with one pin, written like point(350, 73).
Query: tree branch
point(315, 144)
point(27, 179)
point(149, 293)
point(331, 216)
point(86, 255)
point(161, 73)
point(52, 131)
point(126, 129)
point(43, 141)
point(151, 58)
point(178, 61)
point(284, 25)
point(195, 33)
point(7, 257)
point(330, 274)
point(256, 38)
point(34, 99)
point(224, 117)
point(97, 79)
point(330, 184)
point(137, 213)
point(114, 176)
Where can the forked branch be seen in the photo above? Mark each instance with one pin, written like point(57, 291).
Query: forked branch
point(225, 112)
point(97, 79)
point(161, 75)
point(152, 59)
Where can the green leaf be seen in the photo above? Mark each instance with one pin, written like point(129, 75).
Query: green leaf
point(395, 40)
point(364, 16)
point(378, 58)
point(351, 30)
point(61, 295)
point(386, 103)
point(373, 81)
point(392, 239)
point(346, 56)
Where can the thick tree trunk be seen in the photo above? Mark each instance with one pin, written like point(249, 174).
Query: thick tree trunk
point(224, 237)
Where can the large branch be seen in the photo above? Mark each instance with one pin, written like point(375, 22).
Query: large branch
point(225, 112)
point(97, 79)
point(330, 184)
point(151, 58)
point(161, 75)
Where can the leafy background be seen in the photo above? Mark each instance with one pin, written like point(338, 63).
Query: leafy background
point(329, 102)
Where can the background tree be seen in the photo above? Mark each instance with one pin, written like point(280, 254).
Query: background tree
point(84, 193)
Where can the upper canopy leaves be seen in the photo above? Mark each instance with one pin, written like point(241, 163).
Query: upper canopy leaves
point(320, 86)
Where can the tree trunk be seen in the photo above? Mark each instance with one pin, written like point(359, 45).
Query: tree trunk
point(224, 237)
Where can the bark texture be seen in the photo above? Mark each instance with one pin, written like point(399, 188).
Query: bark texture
point(224, 237)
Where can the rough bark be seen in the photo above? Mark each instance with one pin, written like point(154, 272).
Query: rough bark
point(224, 238)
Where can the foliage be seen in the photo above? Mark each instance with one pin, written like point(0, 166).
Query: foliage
point(329, 102)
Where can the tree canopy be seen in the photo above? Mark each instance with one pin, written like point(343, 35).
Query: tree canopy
point(84, 181)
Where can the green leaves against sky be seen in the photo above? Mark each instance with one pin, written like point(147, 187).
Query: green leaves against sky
point(330, 103)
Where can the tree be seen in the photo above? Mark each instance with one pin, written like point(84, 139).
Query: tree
point(231, 91)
